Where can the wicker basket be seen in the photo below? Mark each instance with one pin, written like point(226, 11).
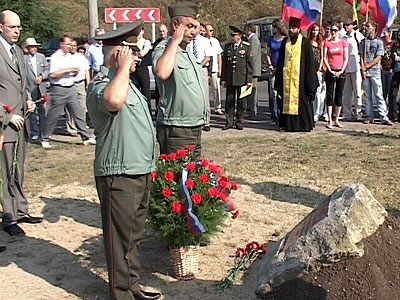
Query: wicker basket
point(185, 261)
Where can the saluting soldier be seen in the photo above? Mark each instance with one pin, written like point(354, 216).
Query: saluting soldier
point(123, 159)
point(237, 71)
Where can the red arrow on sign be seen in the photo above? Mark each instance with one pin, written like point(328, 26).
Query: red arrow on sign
point(132, 14)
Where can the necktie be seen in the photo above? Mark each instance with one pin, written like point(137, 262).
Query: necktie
point(14, 56)
point(235, 48)
point(195, 50)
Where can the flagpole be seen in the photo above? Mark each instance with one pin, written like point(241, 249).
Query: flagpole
point(366, 15)
point(322, 12)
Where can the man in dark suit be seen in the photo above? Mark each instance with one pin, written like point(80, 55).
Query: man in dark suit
point(37, 72)
point(237, 71)
point(13, 92)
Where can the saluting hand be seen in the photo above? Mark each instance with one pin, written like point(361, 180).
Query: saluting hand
point(178, 35)
point(123, 57)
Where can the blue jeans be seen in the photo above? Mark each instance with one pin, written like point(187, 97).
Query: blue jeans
point(386, 80)
point(37, 120)
point(373, 86)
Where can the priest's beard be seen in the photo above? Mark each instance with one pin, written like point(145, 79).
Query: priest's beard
point(293, 37)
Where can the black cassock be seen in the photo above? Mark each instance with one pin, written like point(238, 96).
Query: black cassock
point(304, 121)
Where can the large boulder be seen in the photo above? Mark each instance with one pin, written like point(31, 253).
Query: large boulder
point(331, 232)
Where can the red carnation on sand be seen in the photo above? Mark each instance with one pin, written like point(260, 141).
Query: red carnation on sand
point(191, 166)
point(189, 147)
point(262, 249)
point(231, 205)
point(234, 185)
point(213, 191)
point(153, 175)
point(214, 168)
point(236, 215)
point(176, 207)
point(172, 156)
point(7, 108)
point(169, 176)
point(190, 183)
point(223, 197)
point(181, 153)
point(166, 192)
point(204, 162)
point(203, 178)
point(162, 157)
point(197, 198)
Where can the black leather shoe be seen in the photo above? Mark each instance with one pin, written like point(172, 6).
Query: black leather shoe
point(226, 127)
point(14, 230)
point(239, 126)
point(30, 219)
point(206, 128)
point(2, 248)
point(144, 295)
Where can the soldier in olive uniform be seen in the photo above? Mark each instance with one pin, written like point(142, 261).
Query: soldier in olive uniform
point(237, 71)
point(123, 159)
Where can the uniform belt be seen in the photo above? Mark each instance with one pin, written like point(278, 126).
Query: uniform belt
point(63, 86)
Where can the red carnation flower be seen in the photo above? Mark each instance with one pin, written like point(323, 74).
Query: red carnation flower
point(203, 178)
point(189, 147)
point(191, 166)
point(153, 175)
point(169, 176)
point(44, 98)
point(262, 249)
point(223, 183)
point(250, 246)
point(162, 157)
point(176, 207)
point(223, 197)
point(7, 108)
point(239, 252)
point(181, 153)
point(236, 214)
point(204, 162)
point(172, 156)
point(231, 205)
point(234, 185)
point(167, 192)
point(213, 192)
point(190, 183)
point(197, 198)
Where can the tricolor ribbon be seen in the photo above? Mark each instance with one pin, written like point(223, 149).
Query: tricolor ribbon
point(194, 224)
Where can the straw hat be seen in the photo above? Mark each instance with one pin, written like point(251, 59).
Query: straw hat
point(30, 41)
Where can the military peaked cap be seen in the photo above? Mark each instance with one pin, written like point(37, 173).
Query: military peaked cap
point(235, 30)
point(184, 9)
point(125, 35)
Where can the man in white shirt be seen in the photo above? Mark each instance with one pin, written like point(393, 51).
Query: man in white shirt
point(63, 70)
point(216, 67)
point(95, 54)
point(352, 88)
point(201, 49)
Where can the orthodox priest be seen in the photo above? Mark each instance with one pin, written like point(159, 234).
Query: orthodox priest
point(296, 81)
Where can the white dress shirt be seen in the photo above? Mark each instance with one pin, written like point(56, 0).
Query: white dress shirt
point(217, 49)
point(58, 61)
point(33, 63)
point(82, 63)
point(203, 47)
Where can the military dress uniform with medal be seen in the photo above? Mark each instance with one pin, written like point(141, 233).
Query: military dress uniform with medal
point(237, 71)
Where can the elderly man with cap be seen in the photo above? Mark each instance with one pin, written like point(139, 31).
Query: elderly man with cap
point(37, 71)
point(182, 110)
point(123, 159)
point(237, 71)
point(296, 80)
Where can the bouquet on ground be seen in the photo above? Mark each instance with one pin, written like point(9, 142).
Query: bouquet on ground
point(189, 200)
point(244, 257)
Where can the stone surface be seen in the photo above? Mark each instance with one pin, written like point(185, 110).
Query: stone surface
point(331, 232)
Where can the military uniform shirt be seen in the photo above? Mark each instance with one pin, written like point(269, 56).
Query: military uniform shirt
point(125, 139)
point(182, 95)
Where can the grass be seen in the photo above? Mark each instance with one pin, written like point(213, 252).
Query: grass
point(299, 167)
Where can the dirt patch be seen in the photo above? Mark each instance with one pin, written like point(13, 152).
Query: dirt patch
point(376, 275)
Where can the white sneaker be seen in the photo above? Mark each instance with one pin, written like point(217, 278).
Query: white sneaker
point(46, 145)
point(90, 141)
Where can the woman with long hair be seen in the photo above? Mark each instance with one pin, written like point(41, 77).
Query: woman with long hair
point(279, 32)
point(335, 54)
point(317, 43)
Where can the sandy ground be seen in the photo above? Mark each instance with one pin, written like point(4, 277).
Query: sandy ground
point(63, 257)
